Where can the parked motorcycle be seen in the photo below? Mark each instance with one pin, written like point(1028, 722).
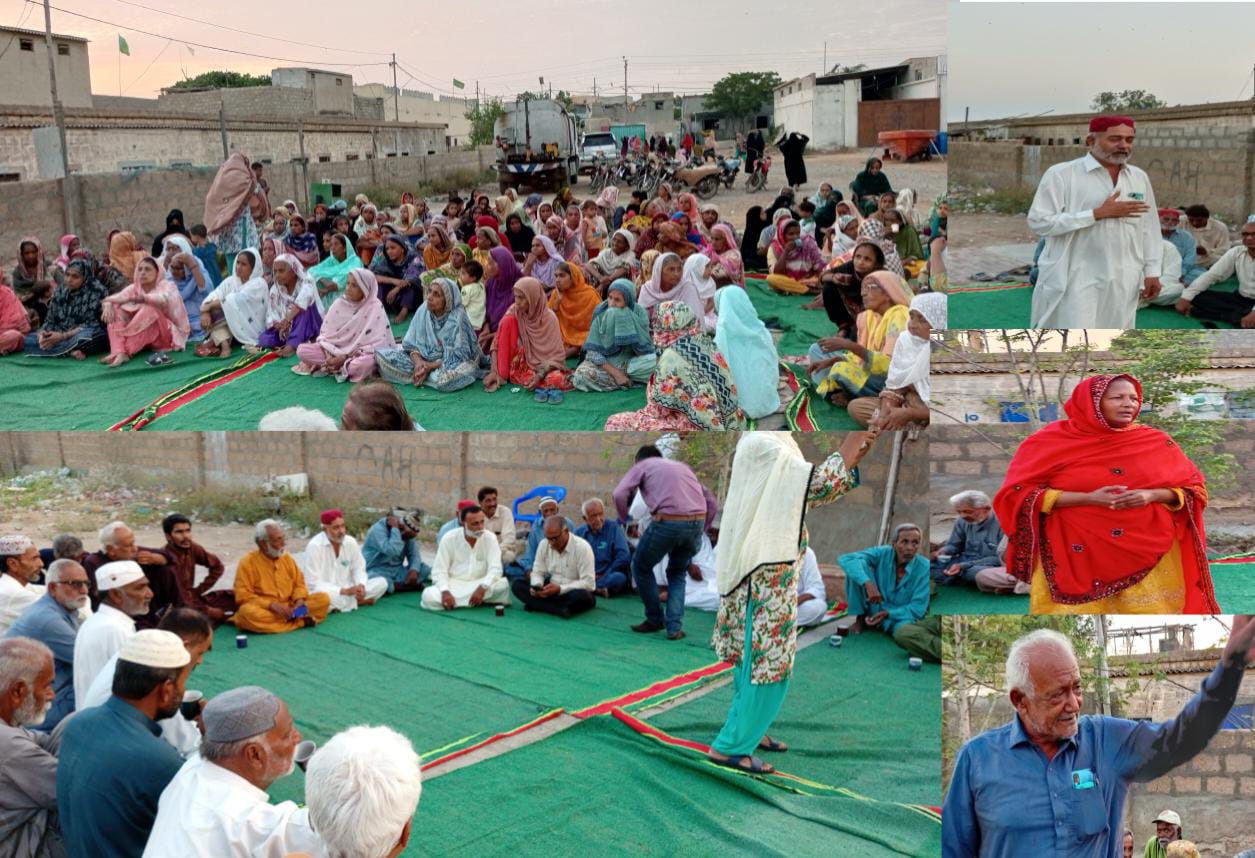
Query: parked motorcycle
point(728, 169)
point(757, 178)
point(702, 179)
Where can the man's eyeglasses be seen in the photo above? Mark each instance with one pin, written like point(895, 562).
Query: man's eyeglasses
point(77, 585)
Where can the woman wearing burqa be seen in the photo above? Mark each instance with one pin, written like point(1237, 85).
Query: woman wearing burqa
point(753, 150)
point(792, 146)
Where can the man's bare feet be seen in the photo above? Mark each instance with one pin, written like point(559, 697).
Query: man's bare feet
point(817, 304)
point(77, 354)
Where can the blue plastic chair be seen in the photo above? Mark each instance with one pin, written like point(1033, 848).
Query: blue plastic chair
point(558, 493)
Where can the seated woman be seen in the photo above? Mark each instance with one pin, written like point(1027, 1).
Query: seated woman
point(755, 223)
point(353, 330)
point(331, 275)
point(440, 349)
point(691, 388)
point(409, 226)
point(73, 323)
point(148, 314)
point(767, 238)
point(903, 403)
point(71, 249)
point(905, 237)
point(236, 309)
point(270, 251)
point(869, 185)
point(648, 239)
point(672, 238)
point(301, 242)
point(798, 262)
point(573, 302)
point(841, 295)
point(540, 221)
point(33, 279)
point(501, 273)
point(486, 238)
point(750, 351)
point(399, 273)
point(124, 255)
point(841, 240)
point(690, 232)
point(646, 273)
point(189, 276)
point(673, 280)
point(619, 350)
point(458, 257)
point(293, 315)
point(572, 246)
point(1104, 515)
point(527, 349)
point(439, 245)
point(842, 369)
point(825, 202)
point(614, 262)
point(727, 269)
point(520, 236)
point(15, 323)
point(542, 262)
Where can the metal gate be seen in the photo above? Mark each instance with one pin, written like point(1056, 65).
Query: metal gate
point(922, 114)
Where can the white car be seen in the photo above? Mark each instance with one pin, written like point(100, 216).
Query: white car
point(597, 144)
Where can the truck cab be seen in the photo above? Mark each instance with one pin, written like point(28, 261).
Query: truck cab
point(537, 146)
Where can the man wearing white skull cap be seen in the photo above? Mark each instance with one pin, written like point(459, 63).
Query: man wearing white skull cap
point(124, 595)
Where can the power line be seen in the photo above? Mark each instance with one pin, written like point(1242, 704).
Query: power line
point(149, 66)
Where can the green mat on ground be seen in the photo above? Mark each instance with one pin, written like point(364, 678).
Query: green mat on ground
point(1235, 586)
point(845, 707)
point(600, 788)
point(1011, 306)
point(802, 328)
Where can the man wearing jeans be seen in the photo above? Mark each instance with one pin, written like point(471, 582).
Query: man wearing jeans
point(680, 511)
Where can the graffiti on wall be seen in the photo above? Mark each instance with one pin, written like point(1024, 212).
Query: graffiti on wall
point(395, 465)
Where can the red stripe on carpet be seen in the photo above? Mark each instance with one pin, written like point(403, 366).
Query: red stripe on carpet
point(194, 394)
point(998, 287)
point(491, 739)
point(1245, 558)
point(653, 690)
point(645, 729)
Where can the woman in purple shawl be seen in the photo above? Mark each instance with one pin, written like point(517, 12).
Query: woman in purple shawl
point(501, 273)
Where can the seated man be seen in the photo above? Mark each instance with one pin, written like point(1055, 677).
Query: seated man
point(456, 521)
point(812, 595)
point(973, 543)
point(887, 588)
point(700, 592)
point(107, 792)
point(1211, 235)
point(334, 565)
point(1168, 829)
point(217, 803)
point(362, 789)
point(1171, 286)
point(612, 557)
point(124, 595)
point(65, 546)
point(117, 542)
point(28, 776)
point(1236, 308)
point(500, 522)
point(563, 577)
point(392, 551)
point(1183, 241)
point(270, 592)
point(467, 571)
point(185, 555)
point(20, 567)
point(521, 568)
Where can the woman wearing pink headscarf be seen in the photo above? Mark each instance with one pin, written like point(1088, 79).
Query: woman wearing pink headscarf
point(148, 314)
point(726, 265)
point(355, 326)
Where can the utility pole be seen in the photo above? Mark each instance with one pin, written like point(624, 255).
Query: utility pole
point(825, 69)
point(58, 116)
point(625, 95)
point(1104, 673)
point(594, 87)
point(396, 109)
point(222, 127)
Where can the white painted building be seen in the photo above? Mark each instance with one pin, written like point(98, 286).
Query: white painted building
point(424, 108)
point(24, 69)
point(825, 109)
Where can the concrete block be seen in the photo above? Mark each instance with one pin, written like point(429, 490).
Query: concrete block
point(1221, 786)
point(1180, 785)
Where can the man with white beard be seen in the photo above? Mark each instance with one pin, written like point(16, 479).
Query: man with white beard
point(28, 776)
point(1103, 250)
point(334, 565)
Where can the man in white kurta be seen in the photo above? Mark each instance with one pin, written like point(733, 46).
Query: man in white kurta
point(812, 598)
point(1169, 278)
point(124, 595)
point(19, 566)
point(1103, 248)
point(564, 575)
point(467, 572)
point(334, 565)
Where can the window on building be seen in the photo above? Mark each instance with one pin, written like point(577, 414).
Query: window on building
point(180, 165)
point(63, 50)
point(339, 81)
point(10, 177)
point(657, 105)
point(352, 156)
point(26, 44)
point(370, 156)
point(919, 75)
point(323, 159)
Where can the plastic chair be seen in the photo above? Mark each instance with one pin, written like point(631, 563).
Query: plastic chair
point(558, 493)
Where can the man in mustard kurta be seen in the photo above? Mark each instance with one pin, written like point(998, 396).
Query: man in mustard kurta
point(270, 592)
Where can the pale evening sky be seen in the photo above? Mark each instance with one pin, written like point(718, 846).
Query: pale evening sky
point(505, 46)
point(1011, 59)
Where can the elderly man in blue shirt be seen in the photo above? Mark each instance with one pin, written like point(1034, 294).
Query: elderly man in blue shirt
point(1054, 782)
point(887, 588)
point(611, 554)
point(391, 551)
point(973, 543)
point(1183, 241)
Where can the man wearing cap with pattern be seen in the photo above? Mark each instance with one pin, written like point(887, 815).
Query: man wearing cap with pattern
point(20, 567)
point(113, 763)
point(334, 565)
point(1167, 829)
point(124, 595)
point(217, 806)
point(521, 568)
point(270, 592)
point(1103, 249)
point(392, 551)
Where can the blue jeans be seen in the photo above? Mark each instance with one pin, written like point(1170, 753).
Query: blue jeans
point(678, 541)
point(613, 582)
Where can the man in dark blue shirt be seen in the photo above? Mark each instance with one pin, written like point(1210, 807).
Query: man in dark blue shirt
point(611, 555)
point(113, 763)
point(1053, 782)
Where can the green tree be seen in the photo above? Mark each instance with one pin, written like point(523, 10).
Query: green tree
point(223, 80)
point(483, 118)
point(1129, 99)
point(561, 96)
point(739, 95)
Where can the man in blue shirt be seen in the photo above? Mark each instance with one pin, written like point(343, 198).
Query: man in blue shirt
point(455, 522)
point(1054, 782)
point(392, 551)
point(521, 569)
point(973, 543)
point(610, 548)
point(53, 621)
point(1183, 241)
point(113, 763)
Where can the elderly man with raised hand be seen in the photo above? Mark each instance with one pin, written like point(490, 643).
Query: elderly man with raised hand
point(1167, 829)
point(521, 568)
point(887, 588)
point(334, 565)
point(610, 548)
point(216, 806)
point(564, 575)
point(393, 553)
point(362, 789)
point(53, 621)
point(973, 542)
point(1103, 248)
point(467, 572)
point(117, 542)
point(270, 592)
point(28, 760)
point(185, 555)
point(500, 522)
point(20, 569)
point(1236, 308)
point(124, 595)
point(107, 788)
point(1053, 781)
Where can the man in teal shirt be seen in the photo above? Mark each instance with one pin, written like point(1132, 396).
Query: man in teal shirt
point(887, 588)
point(113, 763)
point(392, 551)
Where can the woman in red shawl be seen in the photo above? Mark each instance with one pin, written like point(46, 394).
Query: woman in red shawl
point(1104, 515)
point(14, 319)
point(528, 349)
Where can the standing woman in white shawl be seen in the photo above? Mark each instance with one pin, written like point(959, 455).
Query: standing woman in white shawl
point(757, 569)
point(236, 308)
point(904, 400)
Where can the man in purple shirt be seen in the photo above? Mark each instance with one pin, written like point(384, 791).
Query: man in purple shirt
point(680, 509)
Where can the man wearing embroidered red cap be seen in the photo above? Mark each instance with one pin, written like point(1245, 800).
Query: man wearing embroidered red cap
point(334, 565)
point(1103, 249)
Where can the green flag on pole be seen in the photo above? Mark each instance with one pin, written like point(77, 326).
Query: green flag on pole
point(123, 47)
point(458, 84)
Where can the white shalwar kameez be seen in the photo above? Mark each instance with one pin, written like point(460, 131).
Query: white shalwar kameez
point(700, 595)
point(812, 611)
point(98, 640)
point(1092, 271)
point(461, 569)
point(325, 572)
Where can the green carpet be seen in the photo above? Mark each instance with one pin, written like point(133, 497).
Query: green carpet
point(1009, 308)
point(600, 788)
point(1235, 586)
point(801, 327)
point(837, 725)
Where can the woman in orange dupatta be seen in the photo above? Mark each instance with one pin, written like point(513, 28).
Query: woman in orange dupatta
point(148, 314)
point(14, 319)
point(573, 302)
point(1104, 515)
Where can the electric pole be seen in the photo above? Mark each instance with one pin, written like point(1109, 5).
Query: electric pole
point(396, 109)
point(825, 68)
point(625, 95)
point(58, 116)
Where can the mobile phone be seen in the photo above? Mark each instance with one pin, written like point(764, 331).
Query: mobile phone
point(299, 612)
